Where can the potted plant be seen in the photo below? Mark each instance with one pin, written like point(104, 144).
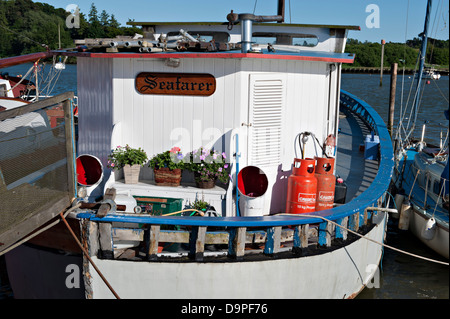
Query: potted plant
point(207, 166)
point(167, 167)
point(130, 159)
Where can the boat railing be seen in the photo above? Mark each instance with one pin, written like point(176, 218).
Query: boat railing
point(328, 226)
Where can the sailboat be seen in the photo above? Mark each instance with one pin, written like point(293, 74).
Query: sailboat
point(421, 175)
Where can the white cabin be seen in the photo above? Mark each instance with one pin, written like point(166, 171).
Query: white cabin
point(264, 100)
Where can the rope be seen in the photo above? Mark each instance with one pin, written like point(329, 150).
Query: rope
point(374, 241)
point(186, 210)
point(87, 255)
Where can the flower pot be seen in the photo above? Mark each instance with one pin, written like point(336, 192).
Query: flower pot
point(205, 184)
point(166, 177)
point(131, 173)
point(202, 183)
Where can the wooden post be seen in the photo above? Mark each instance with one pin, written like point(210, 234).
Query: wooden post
point(301, 233)
point(382, 58)
point(273, 240)
point(325, 231)
point(153, 242)
point(197, 243)
point(105, 239)
point(236, 243)
point(392, 96)
point(341, 232)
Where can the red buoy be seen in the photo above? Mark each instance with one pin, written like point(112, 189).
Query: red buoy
point(302, 187)
point(326, 183)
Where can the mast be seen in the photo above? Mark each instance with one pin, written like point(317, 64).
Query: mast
point(423, 52)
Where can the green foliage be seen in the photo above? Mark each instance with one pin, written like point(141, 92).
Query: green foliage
point(368, 54)
point(207, 165)
point(122, 156)
point(200, 204)
point(172, 159)
point(27, 27)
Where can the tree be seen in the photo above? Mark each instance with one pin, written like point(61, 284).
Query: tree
point(104, 19)
point(113, 23)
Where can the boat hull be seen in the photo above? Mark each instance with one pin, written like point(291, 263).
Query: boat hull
point(340, 273)
point(439, 243)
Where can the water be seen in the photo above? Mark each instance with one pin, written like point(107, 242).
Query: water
point(403, 276)
point(400, 276)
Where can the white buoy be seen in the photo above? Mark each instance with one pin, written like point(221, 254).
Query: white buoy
point(429, 230)
point(405, 212)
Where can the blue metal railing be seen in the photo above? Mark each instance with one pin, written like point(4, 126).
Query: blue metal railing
point(357, 206)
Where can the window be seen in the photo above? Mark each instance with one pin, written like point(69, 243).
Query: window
point(297, 39)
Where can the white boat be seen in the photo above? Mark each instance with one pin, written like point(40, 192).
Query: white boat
point(421, 177)
point(262, 107)
point(431, 74)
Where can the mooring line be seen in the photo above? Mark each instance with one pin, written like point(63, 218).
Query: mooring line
point(87, 255)
point(376, 242)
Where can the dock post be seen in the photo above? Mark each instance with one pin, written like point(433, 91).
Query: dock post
point(392, 96)
point(383, 42)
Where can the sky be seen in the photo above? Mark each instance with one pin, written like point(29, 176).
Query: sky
point(390, 20)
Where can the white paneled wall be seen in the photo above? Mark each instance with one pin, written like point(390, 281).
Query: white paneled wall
point(158, 122)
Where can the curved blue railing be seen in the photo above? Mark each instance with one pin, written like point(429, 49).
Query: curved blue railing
point(357, 206)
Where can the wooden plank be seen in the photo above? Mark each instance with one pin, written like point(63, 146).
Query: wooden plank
point(70, 148)
point(110, 193)
point(197, 243)
point(106, 242)
point(133, 234)
point(31, 223)
point(236, 244)
point(153, 242)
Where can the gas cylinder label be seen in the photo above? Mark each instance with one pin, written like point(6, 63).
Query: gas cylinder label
point(326, 196)
point(307, 199)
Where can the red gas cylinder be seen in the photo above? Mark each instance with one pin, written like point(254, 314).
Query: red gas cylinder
point(326, 183)
point(302, 187)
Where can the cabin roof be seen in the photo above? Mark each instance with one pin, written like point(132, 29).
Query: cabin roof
point(348, 27)
point(265, 54)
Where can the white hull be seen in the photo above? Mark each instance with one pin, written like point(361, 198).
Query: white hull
point(440, 241)
point(341, 273)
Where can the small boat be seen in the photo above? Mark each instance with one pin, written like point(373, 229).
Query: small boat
point(421, 177)
point(269, 109)
point(430, 74)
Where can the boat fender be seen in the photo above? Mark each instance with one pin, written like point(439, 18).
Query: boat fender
point(429, 230)
point(405, 213)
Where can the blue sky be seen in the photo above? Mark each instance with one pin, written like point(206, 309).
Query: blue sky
point(393, 14)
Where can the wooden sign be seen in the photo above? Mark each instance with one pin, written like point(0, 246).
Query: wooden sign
point(175, 83)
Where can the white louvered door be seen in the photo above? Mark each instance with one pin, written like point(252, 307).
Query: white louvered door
point(266, 111)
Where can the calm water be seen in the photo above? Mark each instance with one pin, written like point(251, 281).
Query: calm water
point(401, 276)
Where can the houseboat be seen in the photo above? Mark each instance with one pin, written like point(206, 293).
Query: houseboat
point(265, 95)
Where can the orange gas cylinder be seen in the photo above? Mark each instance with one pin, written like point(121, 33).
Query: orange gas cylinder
point(326, 183)
point(302, 187)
